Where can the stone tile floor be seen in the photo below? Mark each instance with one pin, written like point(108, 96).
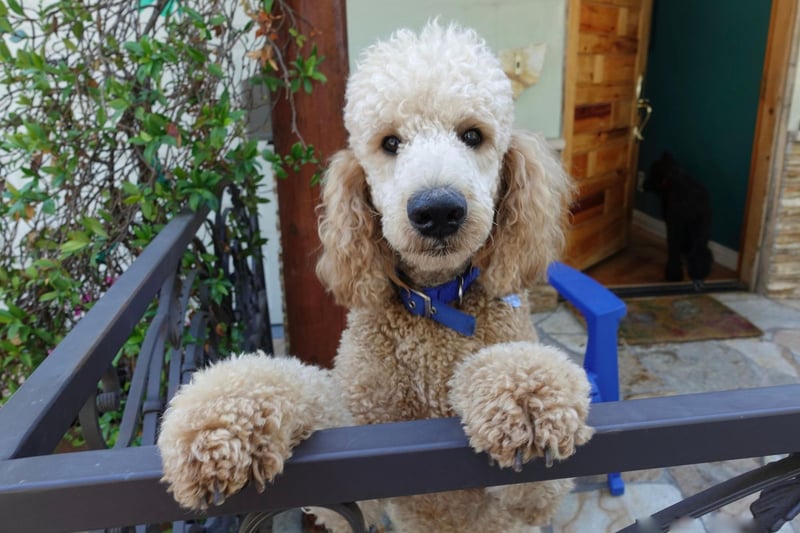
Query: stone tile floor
point(668, 369)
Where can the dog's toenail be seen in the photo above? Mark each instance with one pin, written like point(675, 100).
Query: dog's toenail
point(518, 460)
point(219, 499)
point(548, 457)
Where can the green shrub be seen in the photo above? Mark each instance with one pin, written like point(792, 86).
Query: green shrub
point(115, 118)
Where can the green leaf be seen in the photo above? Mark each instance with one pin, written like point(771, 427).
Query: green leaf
point(134, 48)
point(77, 29)
point(45, 263)
point(95, 226)
point(46, 297)
point(49, 206)
point(15, 7)
point(5, 26)
point(196, 55)
point(149, 153)
point(5, 53)
point(118, 104)
point(168, 140)
point(215, 70)
point(148, 210)
point(72, 246)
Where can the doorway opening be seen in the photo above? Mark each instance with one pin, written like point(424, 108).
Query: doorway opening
point(705, 62)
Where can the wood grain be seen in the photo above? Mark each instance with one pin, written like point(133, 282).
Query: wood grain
point(314, 322)
point(604, 61)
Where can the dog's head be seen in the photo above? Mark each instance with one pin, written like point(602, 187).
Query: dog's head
point(662, 172)
point(434, 177)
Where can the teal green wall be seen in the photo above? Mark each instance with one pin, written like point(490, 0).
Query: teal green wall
point(703, 78)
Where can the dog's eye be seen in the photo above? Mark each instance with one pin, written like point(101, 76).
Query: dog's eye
point(390, 144)
point(472, 137)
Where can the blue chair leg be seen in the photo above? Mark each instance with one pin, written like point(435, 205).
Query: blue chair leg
point(602, 311)
point(615, 484)
point(601, 362)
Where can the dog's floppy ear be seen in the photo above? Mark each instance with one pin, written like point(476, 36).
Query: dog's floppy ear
point(355, 258)
point(530, 219)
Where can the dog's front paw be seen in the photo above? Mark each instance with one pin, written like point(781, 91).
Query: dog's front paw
point(522, 400)
point(212, 449)
point(238, 421)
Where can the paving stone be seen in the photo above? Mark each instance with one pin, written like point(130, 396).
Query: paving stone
point(646, 476)
point(765, 313)
point(637, 380)
point(574, 344)
point(561, 321)
point(766, 355)
point(789, 339)
point(599, 512)
point(706, 366)
point(794, 304)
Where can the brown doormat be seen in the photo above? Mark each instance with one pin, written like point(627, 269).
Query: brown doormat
point(682, 318)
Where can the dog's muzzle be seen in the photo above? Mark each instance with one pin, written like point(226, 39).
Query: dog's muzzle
point(437, 212)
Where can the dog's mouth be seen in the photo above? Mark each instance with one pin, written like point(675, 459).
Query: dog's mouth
point(440, 248)
point(436, 247)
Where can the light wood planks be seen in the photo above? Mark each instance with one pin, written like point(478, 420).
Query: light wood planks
point(604, 60)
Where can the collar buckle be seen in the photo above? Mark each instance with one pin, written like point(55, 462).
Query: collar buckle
point(438, 303)
point(430, 310)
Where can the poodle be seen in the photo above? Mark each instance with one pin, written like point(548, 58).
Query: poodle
point(686, 207)
point(433, 222)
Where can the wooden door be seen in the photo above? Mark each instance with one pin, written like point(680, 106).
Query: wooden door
point(606, 54)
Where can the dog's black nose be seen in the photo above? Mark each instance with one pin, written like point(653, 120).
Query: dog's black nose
point(437, 212)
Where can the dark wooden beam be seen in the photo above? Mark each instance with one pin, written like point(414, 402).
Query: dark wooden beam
point(314, 322)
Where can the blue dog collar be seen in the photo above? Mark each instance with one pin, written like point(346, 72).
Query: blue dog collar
point(433, 302)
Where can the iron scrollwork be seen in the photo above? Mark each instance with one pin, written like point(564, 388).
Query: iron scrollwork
point(188, 330)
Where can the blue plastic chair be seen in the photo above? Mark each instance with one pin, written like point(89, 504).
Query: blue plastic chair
point(602, 311)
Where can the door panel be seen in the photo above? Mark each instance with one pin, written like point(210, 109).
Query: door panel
point(606, 50)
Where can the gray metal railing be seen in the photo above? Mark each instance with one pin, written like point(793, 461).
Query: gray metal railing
point(118, 487)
